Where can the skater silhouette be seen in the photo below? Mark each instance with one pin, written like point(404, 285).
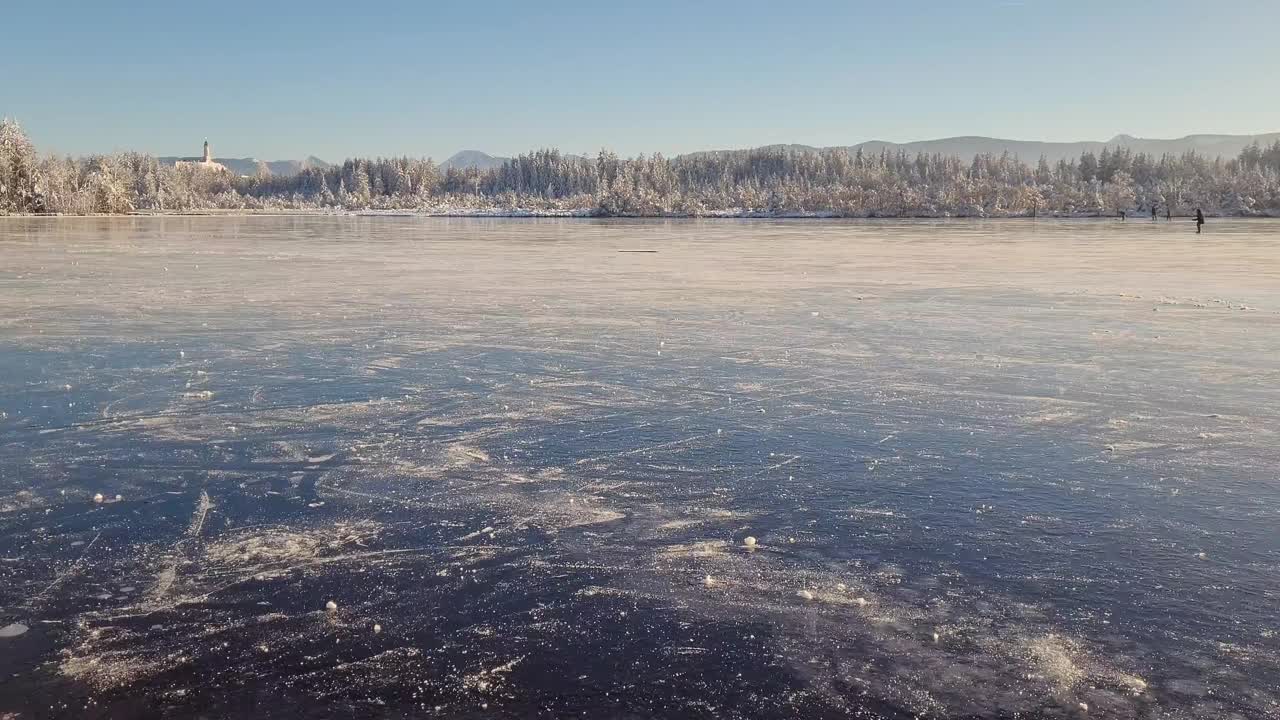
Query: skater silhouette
point(1199, 220)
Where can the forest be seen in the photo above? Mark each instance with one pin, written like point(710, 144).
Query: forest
point(763, 182)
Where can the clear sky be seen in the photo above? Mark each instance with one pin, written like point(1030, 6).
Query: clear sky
point(280, 79)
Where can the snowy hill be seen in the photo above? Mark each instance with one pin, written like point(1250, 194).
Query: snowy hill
point(472, 159)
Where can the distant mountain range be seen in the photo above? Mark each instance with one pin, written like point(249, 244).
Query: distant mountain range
point(249, 166)
point(966, 147)
point(1031, 151)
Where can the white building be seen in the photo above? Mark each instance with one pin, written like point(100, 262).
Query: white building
point(205, 162)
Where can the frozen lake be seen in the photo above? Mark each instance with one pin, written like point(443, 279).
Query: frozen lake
point(992, 469)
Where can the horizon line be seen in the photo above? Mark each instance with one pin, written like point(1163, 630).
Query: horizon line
point(780, 144)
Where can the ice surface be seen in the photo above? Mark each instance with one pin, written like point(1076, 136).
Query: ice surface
point(987, 480)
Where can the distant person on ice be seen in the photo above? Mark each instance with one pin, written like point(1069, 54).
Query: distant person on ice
point(1153, 212)
point(1199, 220)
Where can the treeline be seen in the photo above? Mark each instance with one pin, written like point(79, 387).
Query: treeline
point(764, 181)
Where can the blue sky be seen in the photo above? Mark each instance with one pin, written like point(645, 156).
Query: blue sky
point(286, 79)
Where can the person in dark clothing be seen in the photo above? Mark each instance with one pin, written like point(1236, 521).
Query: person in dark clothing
point(1199, 220)
point(1153, 212)
point(1168, 212)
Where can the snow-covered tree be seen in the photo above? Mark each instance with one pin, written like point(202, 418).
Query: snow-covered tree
point(20, 189)
point(783, 180)
point(1119, 195)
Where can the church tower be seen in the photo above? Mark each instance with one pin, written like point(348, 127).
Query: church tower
point(208, 157)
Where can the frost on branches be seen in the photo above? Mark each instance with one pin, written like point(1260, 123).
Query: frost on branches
point(765, 182)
